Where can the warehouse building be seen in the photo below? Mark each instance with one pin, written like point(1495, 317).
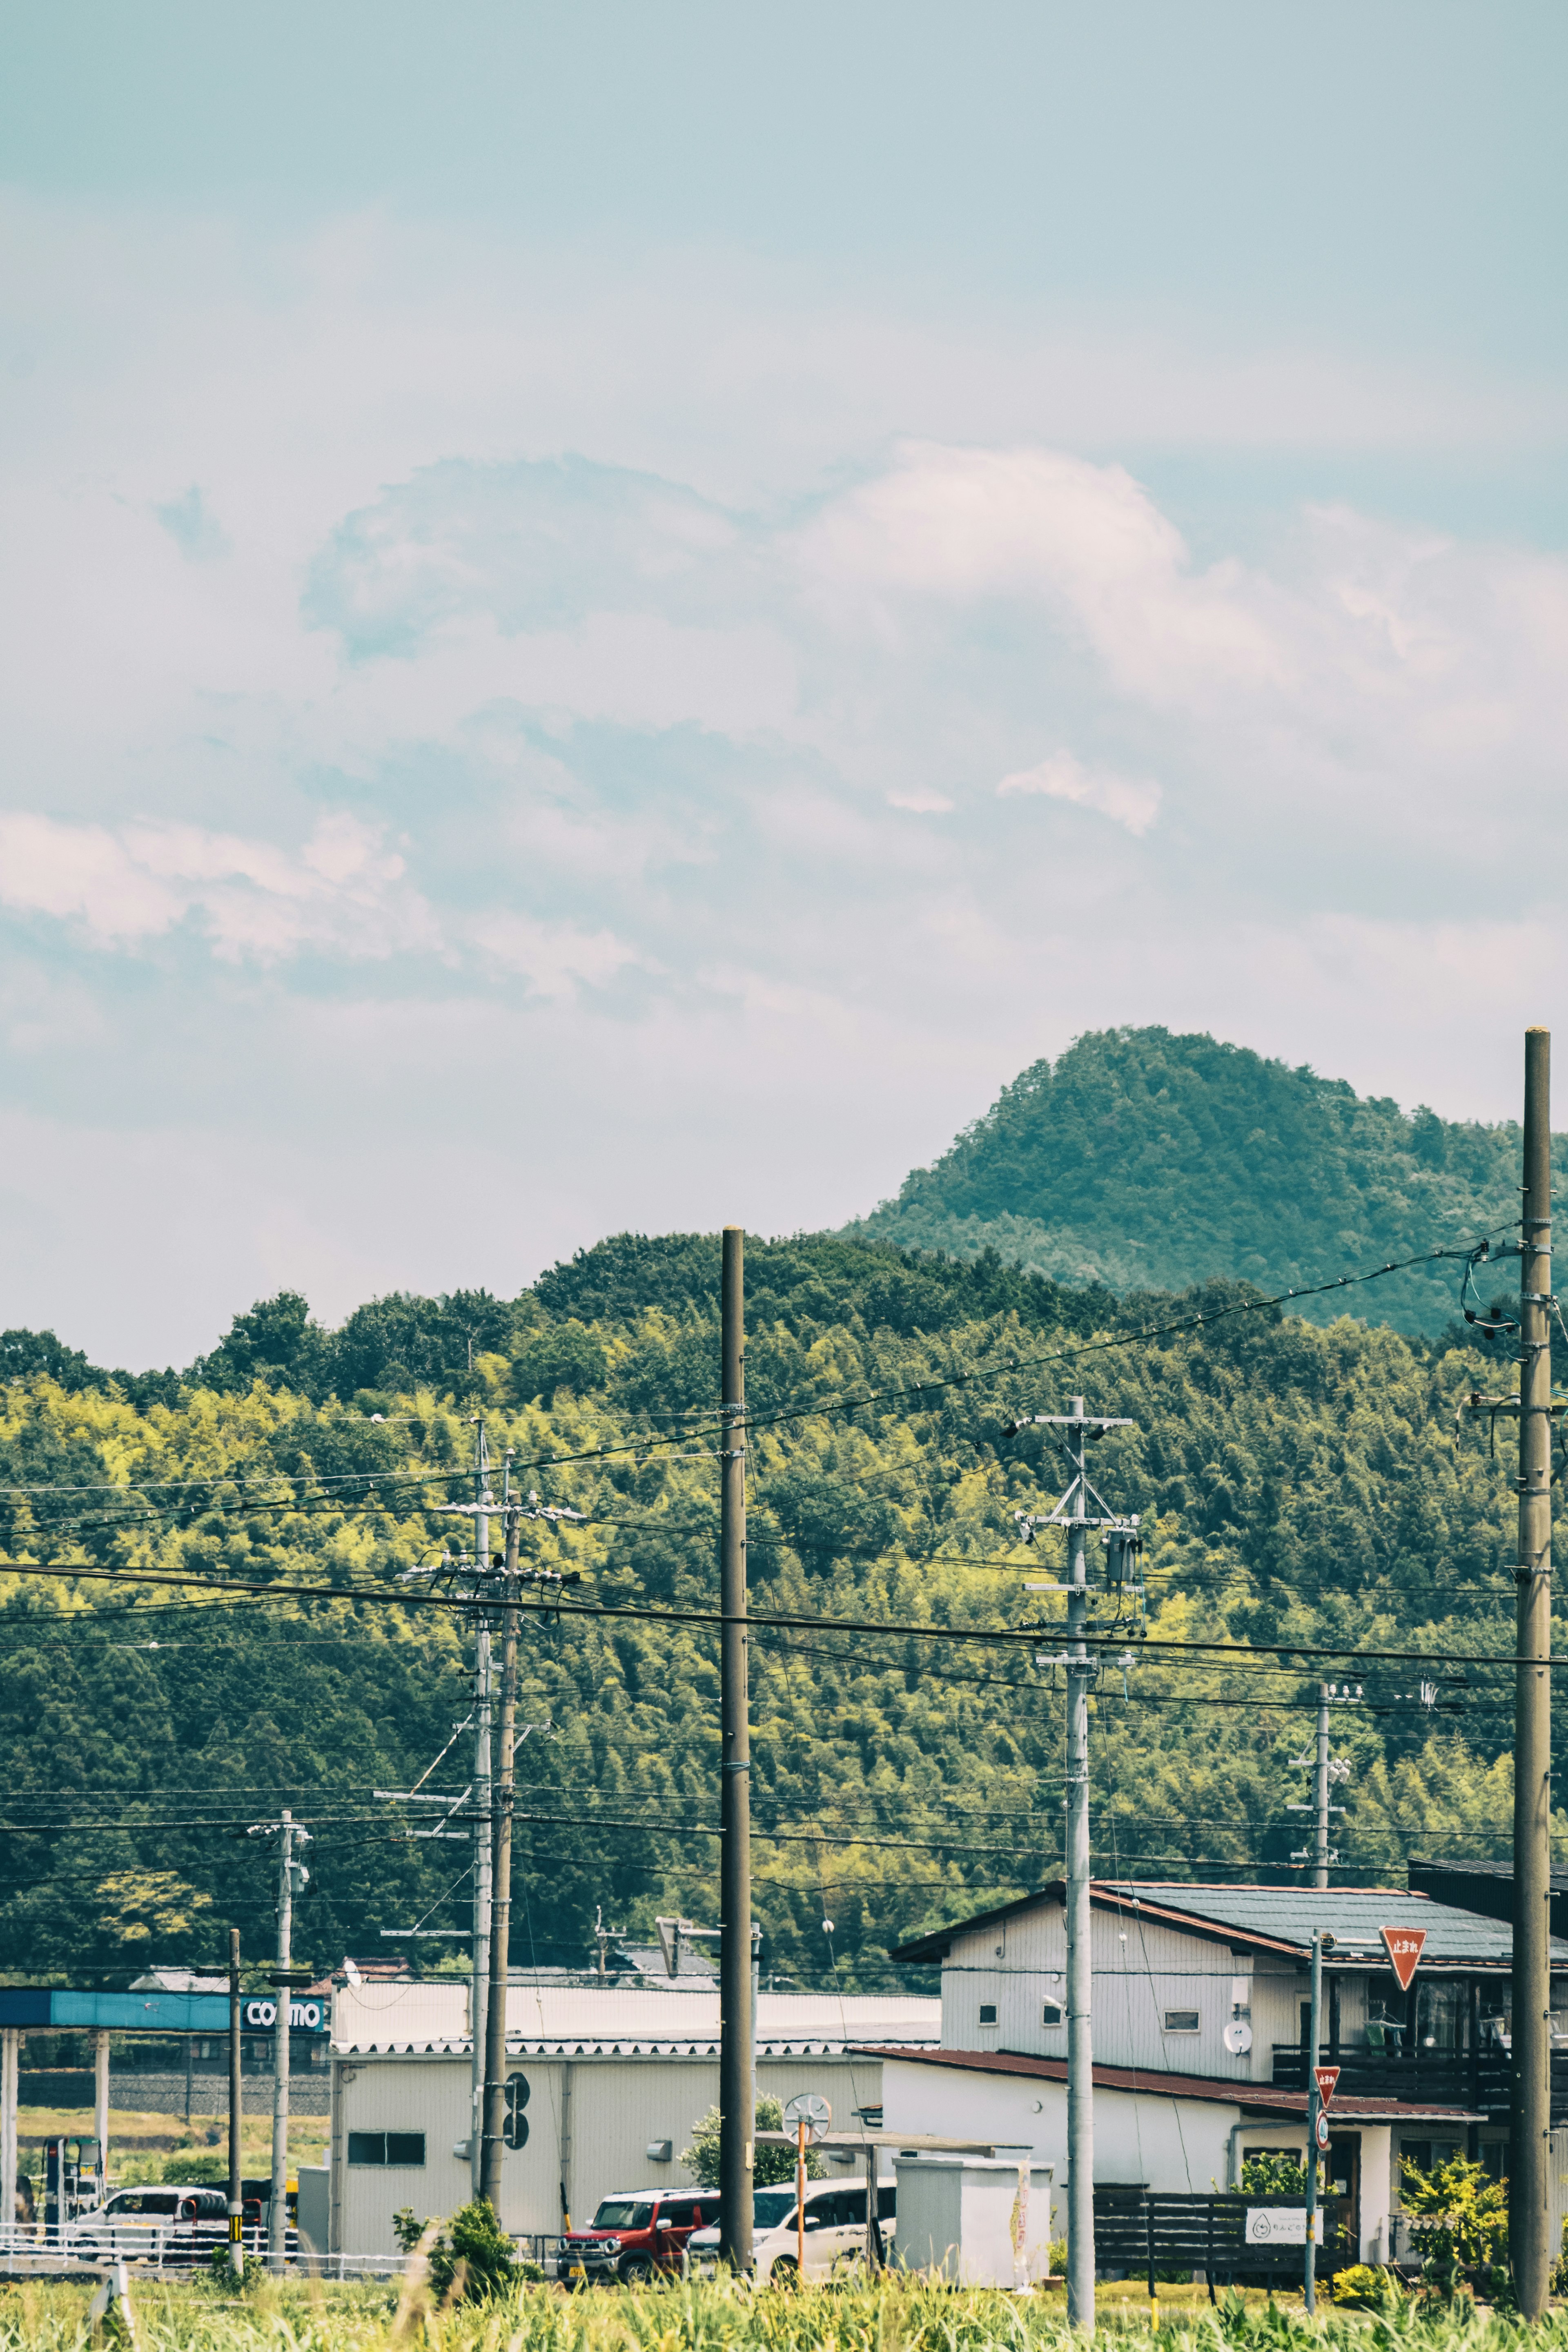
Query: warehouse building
point(605, 2089)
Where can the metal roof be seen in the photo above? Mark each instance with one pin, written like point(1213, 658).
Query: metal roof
point(1277, 1919)
point(1355, 1915)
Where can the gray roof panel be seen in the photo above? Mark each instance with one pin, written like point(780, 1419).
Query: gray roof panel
point(1353, 1914)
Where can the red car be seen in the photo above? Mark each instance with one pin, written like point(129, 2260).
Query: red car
point(635, 2235)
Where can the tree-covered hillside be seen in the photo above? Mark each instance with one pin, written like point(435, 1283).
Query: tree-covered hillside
point(1142, 1160)
point(1298, 1484)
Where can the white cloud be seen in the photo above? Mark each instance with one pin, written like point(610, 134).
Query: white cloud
point(1129, 800)
point(341, 892)
point(554, 958)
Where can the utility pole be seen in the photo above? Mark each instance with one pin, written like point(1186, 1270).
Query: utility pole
point(737, 2115)
point(479, 1982)
point(1314, 2108)
point(278, 2212)
point(493, 2149)
point(236, 2096)
point(1080, 1966)
point(1529, 2235)
point(1079, 1508)
point(1321, 1808)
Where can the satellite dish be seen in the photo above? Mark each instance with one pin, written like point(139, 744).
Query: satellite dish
point(1238, 2036)
point(809, 2108)
point(351, 1973)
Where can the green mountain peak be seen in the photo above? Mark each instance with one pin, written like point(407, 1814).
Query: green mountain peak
point(1148, 1161)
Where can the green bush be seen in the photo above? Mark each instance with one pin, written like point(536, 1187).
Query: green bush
point(1366, 2286)
point(469, 2258)
point(769, 2164)
point(222, 2273)
point(1458, 2224)
point(1272, 2174)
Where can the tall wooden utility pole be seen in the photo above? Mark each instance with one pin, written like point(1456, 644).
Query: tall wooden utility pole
point(494, 2141)
point(236, 2115)
point(736, 2119)
point(479, 1975)
point(1530, 2249)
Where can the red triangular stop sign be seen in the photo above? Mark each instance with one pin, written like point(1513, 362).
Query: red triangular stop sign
point(1402, 1945)
point(1327, 2077)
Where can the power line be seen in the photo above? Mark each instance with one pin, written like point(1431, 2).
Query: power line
point(557, 1607)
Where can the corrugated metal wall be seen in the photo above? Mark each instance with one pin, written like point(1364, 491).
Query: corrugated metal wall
point(591, 2120)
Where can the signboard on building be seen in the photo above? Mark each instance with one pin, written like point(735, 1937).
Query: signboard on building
point(1281, 2225)
point(304, 2016)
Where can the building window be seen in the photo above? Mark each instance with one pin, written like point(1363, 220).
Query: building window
point(386, 2148)
point(987, 2012)
point(1050, 2013)
point(1181, 2020)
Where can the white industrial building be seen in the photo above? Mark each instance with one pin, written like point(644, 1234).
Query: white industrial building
point(615, 2079)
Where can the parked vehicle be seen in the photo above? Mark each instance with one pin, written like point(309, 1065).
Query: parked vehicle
point(634, 2235)
point(169, 2223)
point(835, 2232)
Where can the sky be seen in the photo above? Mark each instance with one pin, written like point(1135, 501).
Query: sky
point(615, 616)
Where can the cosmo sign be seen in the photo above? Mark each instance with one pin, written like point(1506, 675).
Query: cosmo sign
point(261, 2016)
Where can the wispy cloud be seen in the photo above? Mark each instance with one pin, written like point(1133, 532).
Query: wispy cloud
point(1129, 800)
point(341, 892)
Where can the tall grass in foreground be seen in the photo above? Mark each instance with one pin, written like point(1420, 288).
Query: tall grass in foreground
point(702, 2316)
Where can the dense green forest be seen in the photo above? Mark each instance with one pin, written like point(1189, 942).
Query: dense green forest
point(1143, 1159)
point(1298, 1483)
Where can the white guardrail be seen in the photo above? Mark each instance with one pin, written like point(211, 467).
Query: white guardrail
point(166, 2250)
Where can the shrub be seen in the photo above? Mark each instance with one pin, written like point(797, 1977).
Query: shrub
point(769, 2164)
point(470, 2257)
point(1269, 2173)
point(1459, 2222)
point(1367, 2286)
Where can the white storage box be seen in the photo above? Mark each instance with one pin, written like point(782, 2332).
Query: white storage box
point(975, 2221)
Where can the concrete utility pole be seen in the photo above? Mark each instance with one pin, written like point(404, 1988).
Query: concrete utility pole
point(278, 2212)
point(1530, 2249)
point(493, 2149)
point(479, 1981)
point(1321, 1811)
point(1079, 1508)
point(737, 2115)
point(1080, 1964)
point(236, 2108)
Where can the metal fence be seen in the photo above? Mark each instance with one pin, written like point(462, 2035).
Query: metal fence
point(48, 2248)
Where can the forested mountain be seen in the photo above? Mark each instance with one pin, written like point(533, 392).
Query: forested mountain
point(1298, 1483)
point(1146, 1160)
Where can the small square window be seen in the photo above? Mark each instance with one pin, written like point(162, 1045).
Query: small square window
point(1181, 2020)
point(987, 2012)
point(367, 2147)
point(405, 2147)
point(1050, 2013)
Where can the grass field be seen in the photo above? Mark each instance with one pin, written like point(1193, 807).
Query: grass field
point(899, 2316)
point(140, 2146)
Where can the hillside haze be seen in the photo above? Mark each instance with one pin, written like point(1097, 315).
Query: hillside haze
point(1146, 1161)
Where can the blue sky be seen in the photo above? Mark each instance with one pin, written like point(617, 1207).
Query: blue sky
point(616, 614)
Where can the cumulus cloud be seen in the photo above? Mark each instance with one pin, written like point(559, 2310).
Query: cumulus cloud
point(1129, 800)
point(672, 702)
point(341, 892)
